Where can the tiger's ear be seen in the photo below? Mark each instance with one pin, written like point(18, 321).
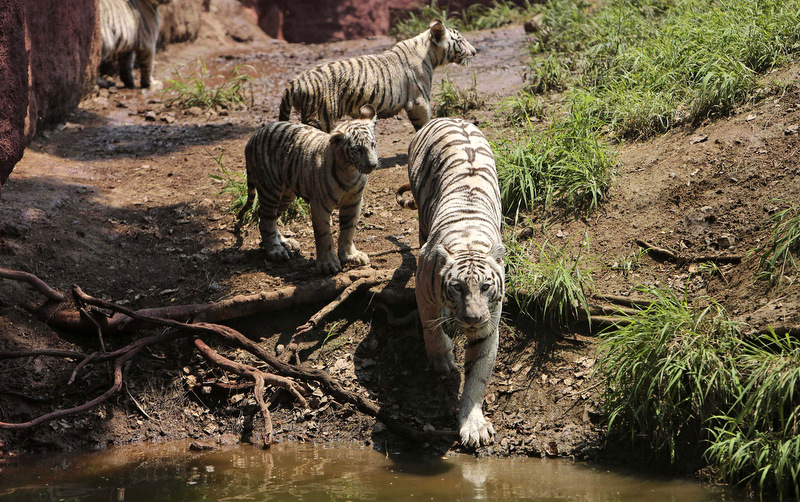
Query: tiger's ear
point(497, 252)
point(337, 140)
point(444, 259)
point(367, 112)
point(438, 31)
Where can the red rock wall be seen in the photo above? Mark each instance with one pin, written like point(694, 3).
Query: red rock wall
point(64, 50)
point(13, 85)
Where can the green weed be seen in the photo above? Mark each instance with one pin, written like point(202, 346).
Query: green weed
point(551, 288)
point(668, 372)
point(523, 108)
point(233, 90)
point(777, 258)
point(758, 441)
point(453, 101)
point(565, 164)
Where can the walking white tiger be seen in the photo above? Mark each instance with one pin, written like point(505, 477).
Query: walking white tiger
point(129, 30)
point(460, 280)
point(286, 160)
point(395, 80)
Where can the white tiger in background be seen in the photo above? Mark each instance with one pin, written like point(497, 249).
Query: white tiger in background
point(129, 31)
point(460, 281)
point(397, 79)
point(286, 160)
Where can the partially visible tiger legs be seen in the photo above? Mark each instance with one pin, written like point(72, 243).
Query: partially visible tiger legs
point(438, 346)
point(126, 68)
point(273, 242)
point(348, 218)
point(327, 262)
point(419, 114)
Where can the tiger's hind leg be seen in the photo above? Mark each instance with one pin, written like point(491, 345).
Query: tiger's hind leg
point(126, 68)
point(419, 114)
point(273, 242)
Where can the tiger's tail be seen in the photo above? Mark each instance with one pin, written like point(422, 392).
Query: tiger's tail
point(402, 201)
point(286, 104)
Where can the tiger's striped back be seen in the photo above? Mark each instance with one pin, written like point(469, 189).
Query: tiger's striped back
point(395, 80)
point(129, 30)
point(460, 277)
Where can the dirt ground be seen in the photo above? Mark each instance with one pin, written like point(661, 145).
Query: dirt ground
point(120, 202)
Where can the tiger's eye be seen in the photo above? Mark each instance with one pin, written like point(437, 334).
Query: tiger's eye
point(485, 287)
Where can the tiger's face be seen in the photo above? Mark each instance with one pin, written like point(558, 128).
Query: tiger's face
point(355, 142)
point(473, 288)
point(456, 48)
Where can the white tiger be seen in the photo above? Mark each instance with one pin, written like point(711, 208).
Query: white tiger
point(460, 278)
point(286, 160)
point(129, 31)
point(397, 79)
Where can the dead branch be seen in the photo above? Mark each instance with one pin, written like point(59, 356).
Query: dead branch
point(34, 281)
point(327, 309)
point(671, 255)
point(601, 310)
point(238, 306)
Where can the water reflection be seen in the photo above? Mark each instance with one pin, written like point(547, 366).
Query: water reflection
point(170, 472)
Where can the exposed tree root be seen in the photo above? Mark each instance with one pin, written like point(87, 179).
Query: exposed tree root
point(671, 255)
point(94, 314)
point(40, 285)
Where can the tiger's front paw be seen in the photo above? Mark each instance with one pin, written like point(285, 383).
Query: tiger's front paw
point(291, 244)
point(444, 364)
point(278, 252)
point(357, 257)
point(475, 430)
point(328, 265)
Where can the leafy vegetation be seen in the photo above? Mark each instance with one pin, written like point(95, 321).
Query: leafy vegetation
point(777, 259)
point(234, 183)
point(683, 377)
point(453, 101)
point(552, 288)
point(475, 17)
point(566, 163)
point(233, 89)
point(522, 109)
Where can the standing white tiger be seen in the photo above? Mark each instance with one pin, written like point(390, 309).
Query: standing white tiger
point(460, 278)
point(395, 80)
point(129, 31)
point(330, 171)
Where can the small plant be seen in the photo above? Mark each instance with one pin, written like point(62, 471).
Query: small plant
point(231, 92)
point(628, 263)
point(455, 102)
point(669, 372)
point(551, 288)
point(547, 74)
point(522, 109)
point(333, 332)
point(235, 184)
point(777, 259)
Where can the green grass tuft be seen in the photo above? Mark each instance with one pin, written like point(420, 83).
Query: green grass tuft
point(233, 90)
point(453, 101)
point(778, 257)
point(551, 288)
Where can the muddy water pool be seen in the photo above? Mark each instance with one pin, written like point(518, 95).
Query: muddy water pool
point(290, 471)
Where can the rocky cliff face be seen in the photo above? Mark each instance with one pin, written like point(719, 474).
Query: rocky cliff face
point(13, 85)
